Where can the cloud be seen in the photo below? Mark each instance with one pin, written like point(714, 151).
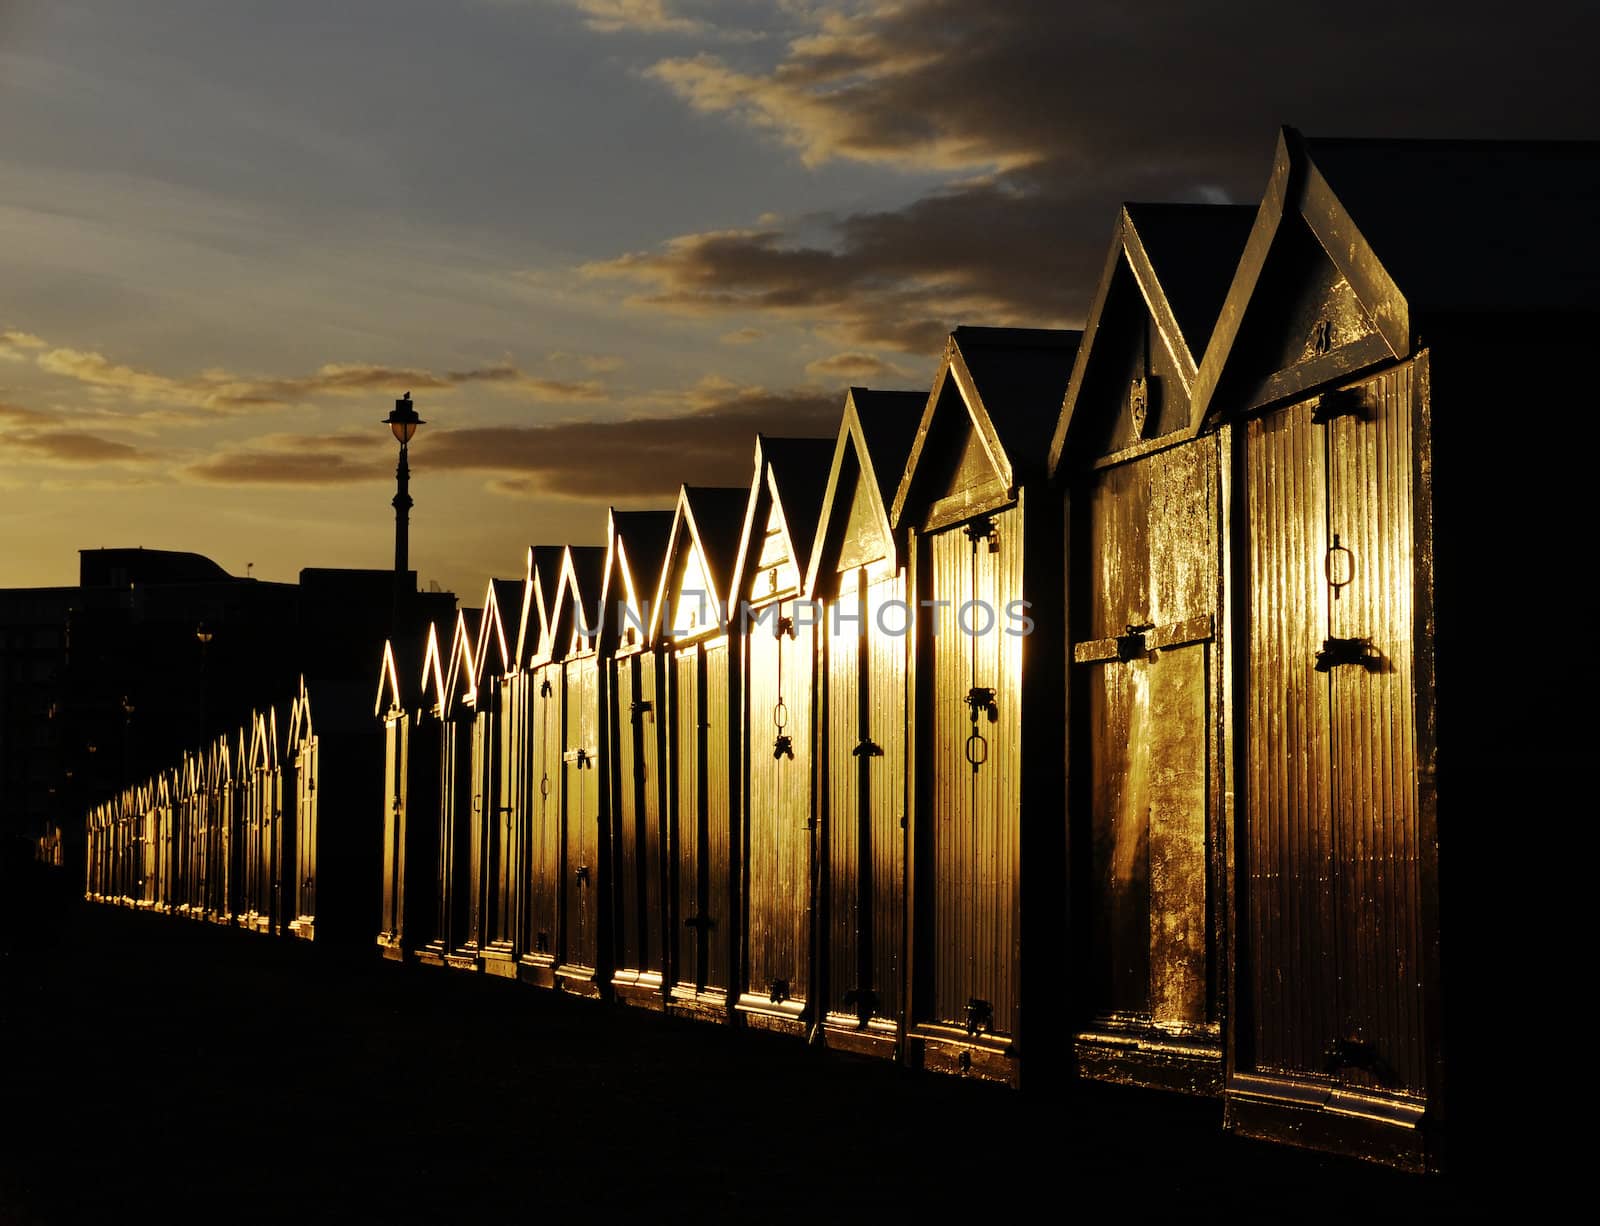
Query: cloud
point(635, 16)
point(1043, 117)
point(16, 414)
point(741, 336)
point(851, 366)
point(709, 443)
point(16, 345)
point(703, 434)
point(222, 391)
point(70, 447)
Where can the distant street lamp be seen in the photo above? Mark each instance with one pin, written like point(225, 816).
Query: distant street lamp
point(404, 422)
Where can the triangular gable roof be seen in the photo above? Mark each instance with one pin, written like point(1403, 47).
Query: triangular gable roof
point(708, 520)
point(301, 727)
point(578, 609)
point(221, 761)
point(266, 751)
point(461, 677)
point(389, 696)
point(432, 692)
point(497, 634)
point(875, 435)
point(535, 631)
point(793, 474)
point(1011, 381)
point(636, 544)
point(1418, 229)
point(1180, 260)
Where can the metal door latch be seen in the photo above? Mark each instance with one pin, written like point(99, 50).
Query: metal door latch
point(783, 626)
point(1131, 644)
point(778, 991)
point(980, 699)
point(544, 688)
point(582, 874)
point(639, 709)
point(783, 747)
point(1336, 652)
point(867, 748)
point(700, 923)
point(980, 1017)
point(1346, 402)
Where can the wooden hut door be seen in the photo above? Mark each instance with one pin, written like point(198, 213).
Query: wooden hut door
point(393, 828)
point(690, 936)
point(1330, 845)
point(866, 737)
point(503, 810)
point(977, 572)
point(582, 813)
point(306, 827)
point(544, 858)
point(780, 810)
point(646, 713)
point(626, 725)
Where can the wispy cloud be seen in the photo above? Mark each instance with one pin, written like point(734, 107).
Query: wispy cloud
point(634, 16)
point(222, 391)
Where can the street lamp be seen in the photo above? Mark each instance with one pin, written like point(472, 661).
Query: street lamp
point(404, 422)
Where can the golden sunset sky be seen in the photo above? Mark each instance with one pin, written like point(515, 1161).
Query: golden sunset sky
point(601, 242)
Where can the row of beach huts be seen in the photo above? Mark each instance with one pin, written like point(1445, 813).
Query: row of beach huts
point(1076, 718)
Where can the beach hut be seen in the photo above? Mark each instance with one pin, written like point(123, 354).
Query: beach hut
point(585, 881)
point(985, 769)
point(270, 837)
point(776, 628)
point(633, 751)
point(856, 574)
point(1144, 501)
point(539, 698)
point(688, 624)
point(494, 753)
point(447, 687)
point(1397, 306)
point(220, 876)
point(460, 833)
point(305, 748)
point(411, 844)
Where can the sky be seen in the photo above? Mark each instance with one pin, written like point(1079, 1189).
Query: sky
point(601, 242)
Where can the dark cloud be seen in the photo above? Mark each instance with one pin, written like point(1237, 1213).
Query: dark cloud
point(70, 447)
point(710, 441)
point(1055, 113)
point(637, 457)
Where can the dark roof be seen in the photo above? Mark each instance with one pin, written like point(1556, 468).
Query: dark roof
point(889, 422)
point(588, 570)
point(1469, 226)
point(545, 564)
point(800, 469)
point(645, 535)
point(142, 565)
point(719, 516)
point(1021, 375)
point(1194, 250)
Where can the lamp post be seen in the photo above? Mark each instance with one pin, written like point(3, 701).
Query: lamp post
point(403, 420)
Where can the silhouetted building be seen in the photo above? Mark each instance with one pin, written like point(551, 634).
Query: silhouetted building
point(156, 650)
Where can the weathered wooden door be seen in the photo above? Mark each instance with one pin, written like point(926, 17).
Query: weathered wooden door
point(624, 766)
point(582, 802)
point(780, 765)
point(1143, 659)
point(646, 718)
point(1332, 985)
point(975, 716)
point(501, 836)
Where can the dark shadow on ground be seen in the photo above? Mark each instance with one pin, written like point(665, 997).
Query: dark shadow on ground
point(159, 1069)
